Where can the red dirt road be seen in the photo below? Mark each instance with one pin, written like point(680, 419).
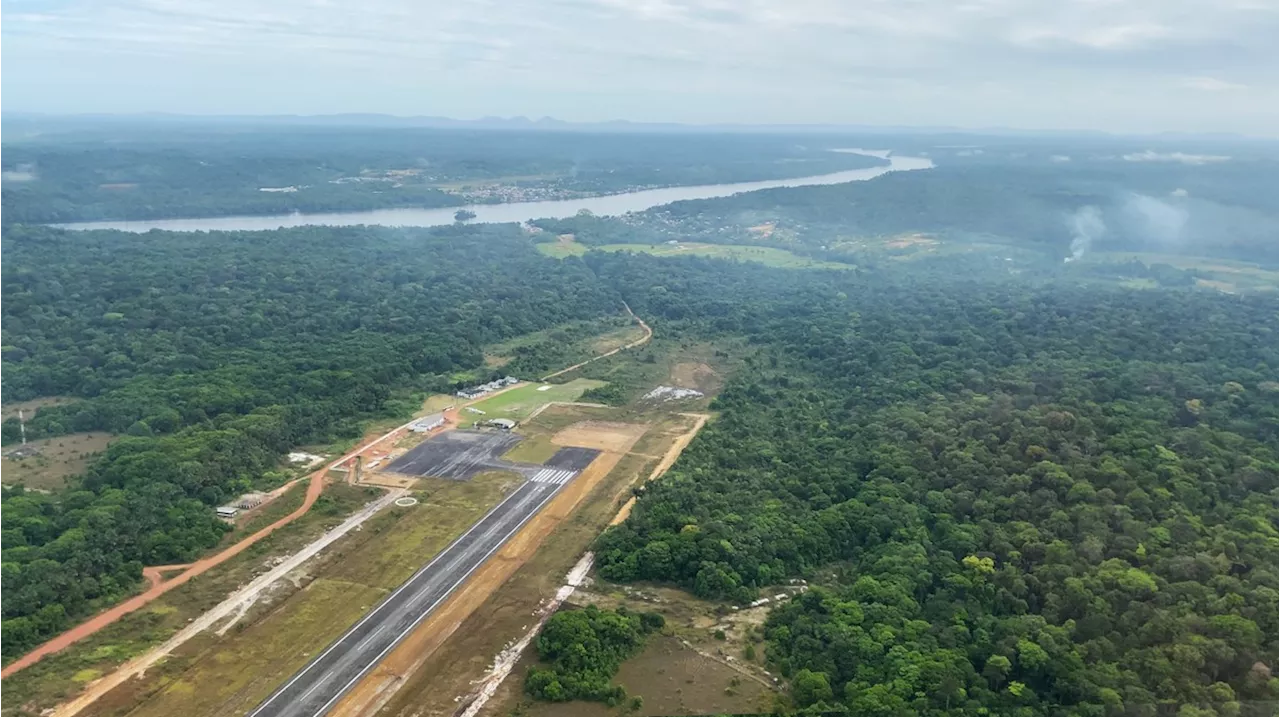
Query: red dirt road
point(158, 588)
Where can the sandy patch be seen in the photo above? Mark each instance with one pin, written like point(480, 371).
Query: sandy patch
point(371, 693)
point(910, 240)
point(700, 419)
point(601, 435)
point(694, 375)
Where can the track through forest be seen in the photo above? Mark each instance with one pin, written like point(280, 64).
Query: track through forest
point(648, 334)
point(158, 585)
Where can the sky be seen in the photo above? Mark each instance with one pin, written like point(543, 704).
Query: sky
point(1128, 66)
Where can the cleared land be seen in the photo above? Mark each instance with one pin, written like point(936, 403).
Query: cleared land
point(318, 686)
point(584, 337)
point(1223, 274)
point(668, 460)
point(769, 256)
point(67, 672)
point(672, 679)
point(536, 450)
point(29, 408)
point(602, 435)
point(212, 676)
point(59, 459)
point(421, 645)
point(519, 403)
point(564, 246)
point(448, 674)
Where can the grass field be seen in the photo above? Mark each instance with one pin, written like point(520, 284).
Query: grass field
point(29, 408)
point(60, 458)
point(592, 337)
point(229, 675)
point(61, 675)
point(671, 678)
point(769, 256)
point(533, 449)
point(563, 248)
point(519, 403)
point(1224, 274)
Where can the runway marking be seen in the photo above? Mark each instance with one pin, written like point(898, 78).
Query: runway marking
point(342, 692)
point(367, 639)
point(552, 476)
point(386, 601)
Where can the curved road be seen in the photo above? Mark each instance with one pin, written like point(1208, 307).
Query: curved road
point(158, 588)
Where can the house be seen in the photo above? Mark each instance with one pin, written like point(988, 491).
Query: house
point(426, 424)
point(505, 424)
point(228, 512)
point(484, 388)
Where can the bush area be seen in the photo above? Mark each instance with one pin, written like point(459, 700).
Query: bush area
point(582, 650)
point(218, 353)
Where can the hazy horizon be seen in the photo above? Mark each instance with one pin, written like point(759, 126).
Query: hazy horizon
point(1136, 67)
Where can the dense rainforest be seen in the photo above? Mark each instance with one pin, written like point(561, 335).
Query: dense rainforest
point(217, 353)
point(1010, 493)
point(1012, 498)
point(157, 170)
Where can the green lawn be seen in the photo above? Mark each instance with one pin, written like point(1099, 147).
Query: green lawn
point(560, 250)
point(519, 403)
point(768, 256)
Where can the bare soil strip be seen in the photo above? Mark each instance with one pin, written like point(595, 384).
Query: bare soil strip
point(380, 685)
point(158, 588)
point(648, 334)
point(700, 419)
point(238, 603)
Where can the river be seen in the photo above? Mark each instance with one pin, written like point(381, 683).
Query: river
point(611, 205)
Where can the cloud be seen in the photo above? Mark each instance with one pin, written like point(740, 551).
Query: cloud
point(21, 174)
point(1212, 84)
point(1195, 159)
point(1108, 64)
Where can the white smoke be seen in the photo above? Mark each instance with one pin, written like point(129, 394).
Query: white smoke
point(21, 173)
point(1156, 220)
point(1086, 227)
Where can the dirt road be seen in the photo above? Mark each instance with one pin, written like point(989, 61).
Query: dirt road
point(648, 334)
point(159, 586)
point(238, 602)
point(669, 459)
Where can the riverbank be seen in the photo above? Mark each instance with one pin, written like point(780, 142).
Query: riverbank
point(606, 205)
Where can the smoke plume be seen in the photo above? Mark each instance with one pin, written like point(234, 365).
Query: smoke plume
point(1086, 226)
point(1158, 222)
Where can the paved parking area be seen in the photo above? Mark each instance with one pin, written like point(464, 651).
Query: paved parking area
point(460, 455)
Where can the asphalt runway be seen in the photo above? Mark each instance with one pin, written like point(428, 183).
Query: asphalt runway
point(574, 459)
point(460, 455)
point(319, 686)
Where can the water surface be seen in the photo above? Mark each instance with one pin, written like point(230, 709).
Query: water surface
point(611, 205)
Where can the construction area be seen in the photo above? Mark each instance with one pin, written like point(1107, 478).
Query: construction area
point(407, 602)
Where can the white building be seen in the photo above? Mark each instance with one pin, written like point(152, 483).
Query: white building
point(426, 424)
